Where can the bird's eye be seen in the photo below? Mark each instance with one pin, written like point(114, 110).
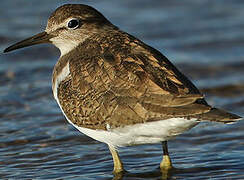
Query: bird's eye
point(73, 24)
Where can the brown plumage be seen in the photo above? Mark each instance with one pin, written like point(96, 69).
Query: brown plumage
point(119, 80)
point(115, 88)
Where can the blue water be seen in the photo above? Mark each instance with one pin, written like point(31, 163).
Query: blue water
point(203, 38)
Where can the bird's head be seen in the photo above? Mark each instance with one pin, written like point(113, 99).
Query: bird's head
point(67, 27)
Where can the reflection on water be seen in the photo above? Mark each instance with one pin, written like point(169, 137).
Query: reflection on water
point(203, 38)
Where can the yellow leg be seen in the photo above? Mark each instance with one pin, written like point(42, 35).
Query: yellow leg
point(118, 166)
point(166, 163)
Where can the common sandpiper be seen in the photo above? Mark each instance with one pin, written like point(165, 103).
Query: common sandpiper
point(116, 89)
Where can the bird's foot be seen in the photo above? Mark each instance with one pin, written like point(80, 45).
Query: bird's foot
point(166, 163)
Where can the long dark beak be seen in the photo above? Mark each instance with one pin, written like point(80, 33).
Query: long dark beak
point(42, 37)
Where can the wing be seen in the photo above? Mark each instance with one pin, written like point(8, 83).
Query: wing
point(122, 81)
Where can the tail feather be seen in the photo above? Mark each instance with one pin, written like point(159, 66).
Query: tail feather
point(219, 115)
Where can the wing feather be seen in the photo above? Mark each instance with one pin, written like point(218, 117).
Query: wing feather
point(131, 84)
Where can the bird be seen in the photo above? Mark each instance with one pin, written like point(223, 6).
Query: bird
point(116, 89)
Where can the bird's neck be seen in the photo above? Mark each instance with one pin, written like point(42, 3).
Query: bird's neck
point(60, 72)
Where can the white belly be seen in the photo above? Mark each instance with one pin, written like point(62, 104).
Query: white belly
point(146, 133)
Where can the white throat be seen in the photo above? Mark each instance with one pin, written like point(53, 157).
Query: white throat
point(64, 45)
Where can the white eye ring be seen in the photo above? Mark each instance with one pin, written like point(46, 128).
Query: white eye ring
point(73, 23)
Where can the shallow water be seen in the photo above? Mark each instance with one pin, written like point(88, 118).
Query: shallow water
point(203, 38)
